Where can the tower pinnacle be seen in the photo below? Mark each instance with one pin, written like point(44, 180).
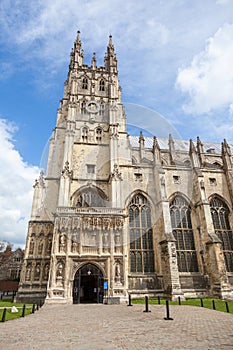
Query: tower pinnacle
point(110, 59)
point(76, 56)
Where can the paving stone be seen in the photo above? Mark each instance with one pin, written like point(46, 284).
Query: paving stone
point(118, 327)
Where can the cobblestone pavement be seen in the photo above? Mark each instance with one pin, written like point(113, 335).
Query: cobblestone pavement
point(118, 327)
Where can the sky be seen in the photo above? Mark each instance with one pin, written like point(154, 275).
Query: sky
point(174, 57)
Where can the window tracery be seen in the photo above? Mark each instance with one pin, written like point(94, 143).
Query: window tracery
point(220, 217)
point(85, 134)
point(85, 84)
point(90, 198)
point(99, 134)
point(102, 85)
point(141, 237)
point(83, 107)
point(182, 230)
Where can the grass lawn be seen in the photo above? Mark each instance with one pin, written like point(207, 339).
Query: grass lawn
point(9, 314)
point(220, 305)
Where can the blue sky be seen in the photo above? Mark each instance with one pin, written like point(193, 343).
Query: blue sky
point(174, 57)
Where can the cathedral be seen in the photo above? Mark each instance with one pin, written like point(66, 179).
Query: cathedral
point(117, 214)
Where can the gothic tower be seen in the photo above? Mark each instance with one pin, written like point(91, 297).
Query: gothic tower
point(77, 217)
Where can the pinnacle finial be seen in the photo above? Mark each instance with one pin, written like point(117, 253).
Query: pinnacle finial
point(191, 146)
point(78, 42)
point(110, 44)
point(93, 62)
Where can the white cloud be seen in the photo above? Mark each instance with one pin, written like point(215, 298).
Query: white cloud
point(223, 2)
point(16, 180)
point(231, 109)
point(208, 80)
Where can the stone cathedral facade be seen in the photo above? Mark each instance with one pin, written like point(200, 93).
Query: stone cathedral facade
point(118, 214)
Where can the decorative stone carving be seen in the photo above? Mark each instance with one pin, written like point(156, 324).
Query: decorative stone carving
point(74, 247)
point(46, 272)
point(118, 272)
point(62, 243)
point(28, 272)
point(66, 172)
point(60, 274)
point(41, 181)
point(40, 246)
point(49, 245)
point(37, 272)
point(31, 246)
point(116, 175)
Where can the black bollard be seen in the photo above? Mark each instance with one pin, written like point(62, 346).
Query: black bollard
point(37, 306)
point(4, 315)
point(146, 304)
point(23, 310)
point(130, 303)
point(227, 307)
point(201, 302)
point(159, 300)
point(33, 308)
point(168, 318)
point(179, 300)
point(213, 303)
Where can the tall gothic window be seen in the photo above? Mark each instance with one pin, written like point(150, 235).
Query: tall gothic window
point(85, 84)
point(85, 134)
point(83, 107)
point(99, 134)
point(102, 107)
point(182, 230)
point(141, 240)
point(101, 85)
point(220, 217)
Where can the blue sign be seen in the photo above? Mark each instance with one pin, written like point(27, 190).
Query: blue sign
point(106, 285)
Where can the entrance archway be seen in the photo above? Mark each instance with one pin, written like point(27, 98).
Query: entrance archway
point(88, 285)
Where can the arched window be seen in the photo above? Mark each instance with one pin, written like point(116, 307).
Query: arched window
point(102, 107)
point(83, 107)
point(101, 85)
point(91, 197)
point(85, 84)
point(141, 239)
point(99, 134)
point(182, 230)
point(220, 217)
point(85, 134)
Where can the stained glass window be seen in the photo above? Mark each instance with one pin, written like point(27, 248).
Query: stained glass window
point(182, 230)
point(220, 217)
point(141, 238)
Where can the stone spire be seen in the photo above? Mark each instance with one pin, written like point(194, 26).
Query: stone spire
point(200, 151)
point(110, 60)
point(142, 146)
point(172, 150)
point(156, 151)
point(226, 155)
point(93, 61)
point(76, 55)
